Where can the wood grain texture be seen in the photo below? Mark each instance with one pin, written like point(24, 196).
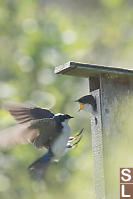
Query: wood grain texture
point(116, 92)
point(97, 148)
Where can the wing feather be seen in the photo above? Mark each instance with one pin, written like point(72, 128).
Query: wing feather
point(17, 134)
point(24, 113)
point(35, 124)
point(42, 133)
point(49, 130)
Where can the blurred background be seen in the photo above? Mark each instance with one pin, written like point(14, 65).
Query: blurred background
point(36, 36)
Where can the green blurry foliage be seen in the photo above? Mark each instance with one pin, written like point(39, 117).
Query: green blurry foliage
point(34, 40)
point(36, 36)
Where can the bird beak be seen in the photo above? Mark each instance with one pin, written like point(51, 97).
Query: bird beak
point(81, 106)
point(71, 117)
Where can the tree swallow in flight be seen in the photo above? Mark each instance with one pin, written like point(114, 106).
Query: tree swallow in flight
point(42, 128)
point(87, 103)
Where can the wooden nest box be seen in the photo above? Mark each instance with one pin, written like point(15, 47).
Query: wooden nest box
point(110, 86)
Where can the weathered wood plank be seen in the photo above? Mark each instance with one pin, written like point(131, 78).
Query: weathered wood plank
point(87, 70)
point(116, 95)
point(97, 148)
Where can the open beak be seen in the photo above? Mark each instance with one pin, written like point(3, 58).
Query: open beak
point(81, 106)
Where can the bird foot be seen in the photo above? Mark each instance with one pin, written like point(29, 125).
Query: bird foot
point(77, 136)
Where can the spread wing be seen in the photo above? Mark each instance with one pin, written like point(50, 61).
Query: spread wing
point(41, 133)
point(35, 125)
point(24, 113)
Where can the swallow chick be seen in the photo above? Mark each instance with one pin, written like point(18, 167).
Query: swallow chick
point(42, 128)
point(87, 103)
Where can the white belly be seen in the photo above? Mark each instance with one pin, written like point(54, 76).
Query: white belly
point(88, 108)
point(59, 146)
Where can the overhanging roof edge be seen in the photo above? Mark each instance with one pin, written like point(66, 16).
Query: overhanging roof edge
point(71, 66)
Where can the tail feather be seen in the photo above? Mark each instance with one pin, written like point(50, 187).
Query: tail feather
point(39, 166)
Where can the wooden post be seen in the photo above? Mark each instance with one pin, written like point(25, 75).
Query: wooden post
point(97, 147)
point(111, 86)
